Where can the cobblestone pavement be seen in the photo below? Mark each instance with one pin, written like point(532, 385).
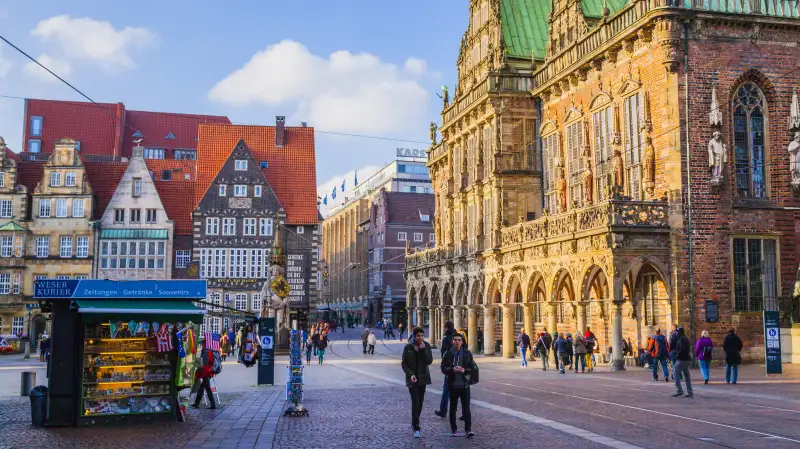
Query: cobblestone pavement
point(247, 422)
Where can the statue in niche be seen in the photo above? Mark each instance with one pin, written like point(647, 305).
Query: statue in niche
point(561, 188)
point(794, 158)
point(717, 157)
point(649, 164)
point(445, 97)
point(433, 133)
point(617, 165)
point(588, 177)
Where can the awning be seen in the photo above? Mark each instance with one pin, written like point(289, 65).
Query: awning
point(157, 234)
point(142, 309)
point(13, 227)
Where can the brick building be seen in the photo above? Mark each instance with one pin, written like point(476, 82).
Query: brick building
point(645, 217)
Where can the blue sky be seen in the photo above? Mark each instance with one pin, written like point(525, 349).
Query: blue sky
point(249, 60)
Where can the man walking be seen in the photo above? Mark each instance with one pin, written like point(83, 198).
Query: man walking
point(371, 341)
point(562, 354)
point(543, 348)
point(659, 349)
point(673, 344)
point(364, 337)
point(417, 357)
point(447, 343)
point(524, 342)
point(457, 367)
point(683, 356)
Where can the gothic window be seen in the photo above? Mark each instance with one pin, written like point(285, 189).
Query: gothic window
point(650, 299)
point(487, 221)
point(755, 274)
point(519, 315)
point(549, 176)
point(575, 164)
point(456, 162)
point(632, 107)
point(538, 306)
point(470, 157)
point(602, 151)
point(749, 117)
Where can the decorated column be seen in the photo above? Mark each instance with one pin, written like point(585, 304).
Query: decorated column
point(617, 357)
point(420, 318)
point(472, 328)
point(551, 325)
point(527, 320)
point(488, 329)
point(508, 330)
point(581, 317)
point(433, 327)
point(457, 317)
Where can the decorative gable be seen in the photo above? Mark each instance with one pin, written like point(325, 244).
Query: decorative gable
point(601, 99)
point(573, 113)
point(629, 86)
point(136, 190)
point(171, 136)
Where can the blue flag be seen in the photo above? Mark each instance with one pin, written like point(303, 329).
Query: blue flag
point(343, 185)
point(325, 201)
point(333, 194)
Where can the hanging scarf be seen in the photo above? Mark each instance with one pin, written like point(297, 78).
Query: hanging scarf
point(190, 341)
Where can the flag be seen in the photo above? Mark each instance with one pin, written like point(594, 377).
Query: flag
point(333, 194)
point(355, 178)
point(212, 341)
point(342, 185)
point(163, 341)
point(325, 201)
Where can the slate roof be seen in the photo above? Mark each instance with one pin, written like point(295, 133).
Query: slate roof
point(291, 172)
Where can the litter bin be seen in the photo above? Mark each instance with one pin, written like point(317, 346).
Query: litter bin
point(38, 405)
point(27, 381)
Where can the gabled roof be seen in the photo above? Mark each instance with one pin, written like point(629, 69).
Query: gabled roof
point(291, 172)
point(95, 126)
point(165, 130)
point(12, 155)
point(29, 173)
point(104, 177)
point(12, 226)
point(525, 27)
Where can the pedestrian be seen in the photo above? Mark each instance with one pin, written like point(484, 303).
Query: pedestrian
point(400, 330)
point(341, 324)
point(673, 344)
point(239, 352)
point(371, 341)
point(323, 343)
point(591, 345)
point(480, 341)
point(683, 361)
point(309, 347)
point(447, 343)
point(543, 348)
point(579, 348)
point(560, 346)
point(569, 349)
point(457, 367)
point(364, 338)
point(315, 336)
point(625, 347)
point(224, 346)
point(732, 345)
point(524, 342)
point(659, 349)
point(204, 375)
point(232, 339)
point(416, 359)
point(704, 350)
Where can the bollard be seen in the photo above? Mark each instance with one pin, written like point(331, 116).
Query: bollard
point(27, 382)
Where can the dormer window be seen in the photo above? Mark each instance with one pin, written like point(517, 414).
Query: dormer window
point(241, 165)
point(171, 136)
point(188, 155)
point(36, 126)
point(166, 175)
point(264, 164)
point(154, 153)
point(239, 190)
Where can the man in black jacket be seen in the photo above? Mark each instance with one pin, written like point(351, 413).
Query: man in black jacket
point(683, 356)
point(364, 337)
point(447, 343)
point(417, 357)
point(457, 367)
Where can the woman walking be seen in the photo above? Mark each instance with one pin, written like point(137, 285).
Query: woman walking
point(703, 349)
point(732, 345)
point(309, 347)
point(323, 343)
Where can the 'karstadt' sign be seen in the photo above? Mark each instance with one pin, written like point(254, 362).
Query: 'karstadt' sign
point(411, 152)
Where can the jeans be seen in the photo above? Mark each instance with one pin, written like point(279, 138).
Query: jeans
point(728, 369)
point(321, 355)
point(705, 368)
point(580, 360)
point(371, 349)
point(205, 386)
point(365, 346)
point(463, 395)
point(682, 370)
point(524, 350)
point(445, 397)
point(663, 360)
point(308, 355)
point(564, 361)
point(673, 358)
point(417, 398)
point(545, 360)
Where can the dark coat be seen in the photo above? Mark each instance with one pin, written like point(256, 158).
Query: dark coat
point(415, 363)
point(732, 345)
point(466, 363)
point(447, 341)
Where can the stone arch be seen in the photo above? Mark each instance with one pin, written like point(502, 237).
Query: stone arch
point(461, 298)
point(412, 297)
point(475, 292)
point(563, 295)
point(631, 270)
point(492, 293)
point(424, 300)
point(761, 80)
point(447, 294)
point(435, 297)
point(594, 282)
point(513, 289)
point(535, 284)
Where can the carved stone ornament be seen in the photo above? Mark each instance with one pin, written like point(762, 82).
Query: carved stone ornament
point(794, 112)
point(649, 181)
point(794, 162)
point(715, 116)
point(717, 158)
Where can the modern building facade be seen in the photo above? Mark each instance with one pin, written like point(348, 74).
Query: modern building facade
point(659, 190)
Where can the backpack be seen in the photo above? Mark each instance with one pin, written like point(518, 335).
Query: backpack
point(661, 344)
point(707, 352)
point(474, 376)
point(216, 366)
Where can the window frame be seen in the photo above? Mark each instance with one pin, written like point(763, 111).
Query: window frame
point(82, 246)
point(34, 145)
point(36, 119)
point(6, 208)
point(42, 247)
point(402, 236)
point(240, 165)
point(70, 178)
point(45, 205)
point(151, 220)
point(81, 209)
point(603, 149)
point(65, 242)
point(61, 208)
point(748, 131)
point(136, 187)
point(240, 190)
point(183, 257)
point(777, 271)
point(55, 179)
point(632, 157)
point(257, 190)
point(212, 225)
point(223, 190)
point(551, 151)
point(573, 136)
point(228, 226)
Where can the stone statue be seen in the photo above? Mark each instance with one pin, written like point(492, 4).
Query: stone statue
point(445, 97)
point(619, 178)
point(433, 133)
point(588, 177)
point(794, 158)
point(649, 180)
point(561, 188)
point(717, 156)
point(437, 224)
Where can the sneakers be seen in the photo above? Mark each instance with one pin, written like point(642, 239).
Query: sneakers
point(690, 395)
point(454, 434)
point(680, 393)
point(440, 413)
point(706, 382)
point(666, 379)
point(417, 434)
point(470, 434)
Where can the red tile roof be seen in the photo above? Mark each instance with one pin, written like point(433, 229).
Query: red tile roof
point(177, 194)
point(156, 126)
point(29, 174)
point(291, 172)
point(104, 177)
point(12, 155)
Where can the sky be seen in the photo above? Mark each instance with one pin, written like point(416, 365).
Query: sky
point(368, 68)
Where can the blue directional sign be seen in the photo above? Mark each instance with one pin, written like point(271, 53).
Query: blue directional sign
point(100, 288)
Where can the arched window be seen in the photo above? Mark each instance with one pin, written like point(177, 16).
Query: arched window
point(749, 117)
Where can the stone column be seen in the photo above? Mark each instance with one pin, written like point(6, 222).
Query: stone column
point(617, 357)
point(527, 320)
point(457, 317)
point(419, 317)
point(488, 329)
point(551, 326)
point(581, 317)
point(508, 330)
point(433, 328)
point(442, 319)
point(472, 328)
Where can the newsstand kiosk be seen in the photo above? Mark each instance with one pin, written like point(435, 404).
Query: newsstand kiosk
point(120, 349)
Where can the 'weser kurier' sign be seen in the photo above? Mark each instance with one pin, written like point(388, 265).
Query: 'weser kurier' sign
point(100, 288)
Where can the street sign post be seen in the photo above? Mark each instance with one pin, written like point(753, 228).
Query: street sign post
point(266, 361)
point(772, 343)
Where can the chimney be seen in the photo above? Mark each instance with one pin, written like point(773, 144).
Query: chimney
point(304, 124)
point(280, 131)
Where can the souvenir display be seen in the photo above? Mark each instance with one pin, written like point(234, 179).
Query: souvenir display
point(126, 375)
point(294, 377)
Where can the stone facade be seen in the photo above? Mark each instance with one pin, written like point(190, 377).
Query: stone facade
point(645, 216)
point(13, 239)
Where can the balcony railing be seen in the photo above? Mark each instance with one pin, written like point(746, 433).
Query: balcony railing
point(604, 215)
point(516, 162)
point(501, 83)
point(463, 102)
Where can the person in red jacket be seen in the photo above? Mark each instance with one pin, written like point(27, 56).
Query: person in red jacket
point(204, 374)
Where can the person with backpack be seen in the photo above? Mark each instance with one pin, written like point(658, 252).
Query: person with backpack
point(524, 342)
point(458, 368)
point(416, 358)
point(659, 351)
point(579, 348)
point(732, 345)
point(704, 349)
point(683, 361)
point(562, 354)
point(204, 375)
point(364, 338)
point(447, 343)
point(591, 344)
point(570, 354)
point(542, 348)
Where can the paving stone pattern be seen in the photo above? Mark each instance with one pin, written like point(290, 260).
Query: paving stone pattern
point(247, 422)
point(381, 417)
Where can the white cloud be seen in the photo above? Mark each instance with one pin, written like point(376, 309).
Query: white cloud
point(345, 92)
point(59, 67)
point(94, 40)
point(326, 188)
point(416, 66)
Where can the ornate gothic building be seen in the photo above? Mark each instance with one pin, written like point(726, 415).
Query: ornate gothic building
point(619, 165)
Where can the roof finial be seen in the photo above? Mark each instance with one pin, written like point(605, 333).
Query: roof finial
point(606, 11)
